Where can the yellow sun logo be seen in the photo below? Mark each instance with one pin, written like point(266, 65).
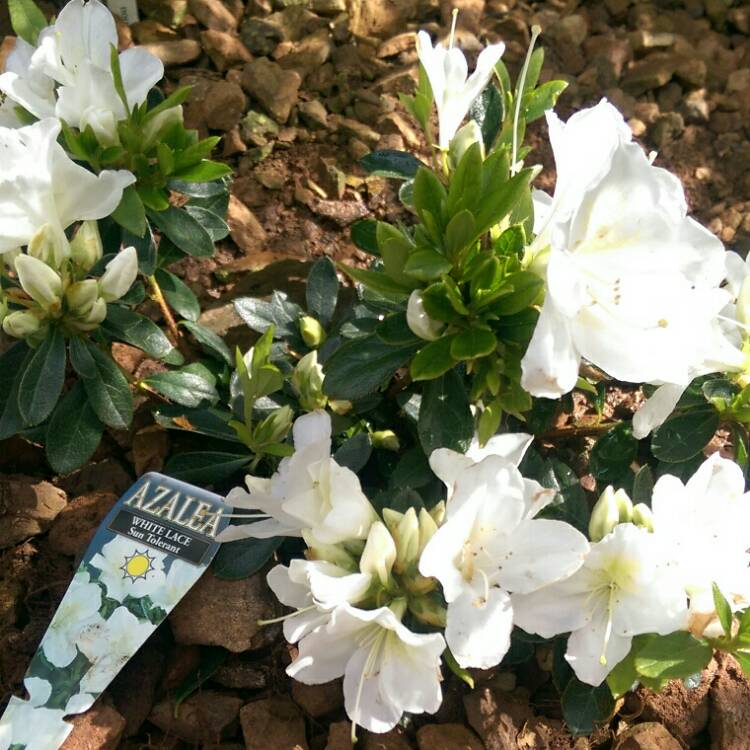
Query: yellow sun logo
point(138, 565)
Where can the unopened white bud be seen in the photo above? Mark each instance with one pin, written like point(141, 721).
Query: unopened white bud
point(420, 323)
point(307, 381)
point(119, 275)
point(466, 137)
point(42, 283)
point(81, 296)
point(49, 245)
point(643, 517)
point(379, 553)
point(21, 323)
point(611, 509)
point(86, 247)
point(333, 553)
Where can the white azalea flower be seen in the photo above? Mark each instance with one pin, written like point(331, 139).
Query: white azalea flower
point(624, 589)
point(109, 645)
point(632, 283)
point(128, 568)
point(180, 577)
point(489, 546)
point(78, 609)
point(33, 89)
point(387, 668)
point(453, 91)
point(703, 527)
point(40, 184)
point(34, 727)
point(309, 491)
point(75, 54)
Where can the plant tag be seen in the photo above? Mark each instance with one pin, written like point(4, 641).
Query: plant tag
point(154, 544)
point(126, 9)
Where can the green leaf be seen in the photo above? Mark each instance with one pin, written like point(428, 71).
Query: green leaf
point(395, 330)
point(12, 367)
point(130, 213)
point(445, 419)
point(42, 381)
point(394, 248)
point(360, 367)
point(585, 707)
point(200, 190)
point(466, 183)
point(624, 676)
point(476, 342)
point(377, 281)
point(73, 433)
point(536, 103)
point(400, 165)
point(355, 452)
point(203, 171)
point(433, 359)
point(114, 64)
point(488, 112)
point(460, 233)
point(364, 235)
point(723, 610)
point(145, 247)
point(429, 198)
point(216, 227)
point(210, 342)
point(106, 387)
point(184, 230)
point(179, 295)
point(497, 202)
point(412, 470)
point(684, 434)
point(643, 485)
point(243, 558)
point(26, 19)
point(673, 656)
point(612, 454)
point(206, 467)
point(322, 290)
point(134, 329)
point(182, 387)
point(427, 265)
point(526, 288)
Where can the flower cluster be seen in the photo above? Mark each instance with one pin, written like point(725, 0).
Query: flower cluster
point(381, 597)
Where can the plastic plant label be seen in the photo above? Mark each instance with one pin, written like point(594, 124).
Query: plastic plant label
point(154, 544)
point(126, 9)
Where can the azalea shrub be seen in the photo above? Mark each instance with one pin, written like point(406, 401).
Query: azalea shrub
point(403, 465)
point(93, 158)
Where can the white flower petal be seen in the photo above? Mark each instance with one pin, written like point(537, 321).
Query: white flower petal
point(656, 409)
point(594, 653)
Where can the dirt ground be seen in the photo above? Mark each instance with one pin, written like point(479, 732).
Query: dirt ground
point(300, 90)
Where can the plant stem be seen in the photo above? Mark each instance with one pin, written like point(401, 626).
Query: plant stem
point(575, 431)
point(158, 296)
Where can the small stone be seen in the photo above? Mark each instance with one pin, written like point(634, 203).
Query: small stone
point(398, 44)
point(314, 113)
point(275, 88)
point(666, 128)
point(95, 475)
point(233, 143)
point(169, 12)
point(340, 736)
point(100, 728)
point(730, 706)
point(648, 736)
point(27, 508)
point(637, 127)
point(150, 30)
point(654, 71)
point(260, 36)
point(328, 7)
point(572, 29)
point(223, 106)
point(343, 213)
point(309, 54)
point(378, 19)
point(244, 227)
point(645, 40)
point(740, 18)
point(356, 129)
point(357, 149)
point(225, 613)
point(237, 674)
point(256, 127)
point(694, 107)
point(470, 13)
point(176, 52)
point(496, 718)
point(273, 723)
point(77, 523)
point(447, 737)
point(738, 80)
point(393, 740)
point(669, 96)
point(692, 70)
point(213, 14)
point(318, 700)
point(224, 49)
point(205, 716)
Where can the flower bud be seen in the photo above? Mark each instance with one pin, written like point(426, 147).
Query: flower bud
point(119, 275)
point(379, 554)
point(419, 321)
point(611, 509)
point(643, 517)
point(333, 553)
point(407, 541)
point(427, 529)
point(313, 334)
point(464, 139)
point(437, 512)
point(10, 256)
point(49, 245)
point(386, 439)
point(86, 247)
point(81, 296)
point(307, 381)
point(340, 407)
point(42, 283)
point(93, 317)
point(743, 302)
point(21, 323)
point(274, 428)
point(3, 306)
point(392, 519)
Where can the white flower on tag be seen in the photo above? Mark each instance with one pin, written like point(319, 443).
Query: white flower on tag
point(31, 726)
point(129, 568)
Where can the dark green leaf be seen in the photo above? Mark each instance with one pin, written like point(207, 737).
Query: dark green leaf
point(211, 342)
point(488, 112)
point(145, 247)
point(206, 467)
point(612, 454)
point(445, 419)
point(106, 387)
point(322, 290)
point(243, 558)
point(199, 189)
point(585, 707)
point(73, 433)
point(184, 230)
point(355, 452)
point(360, 367)
point(134, 329)
point(364, 235)
point(216, 227)
point(377, 281)
point(643, 485)
point(183, 388)
point(400, 165)
point(526, 288)
point(395, 330)
point(130, 213)
point(412, 470)
point(210, 422)
point(42, 381)
point(684, 434)
point(179, 295)
point(12, 367)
